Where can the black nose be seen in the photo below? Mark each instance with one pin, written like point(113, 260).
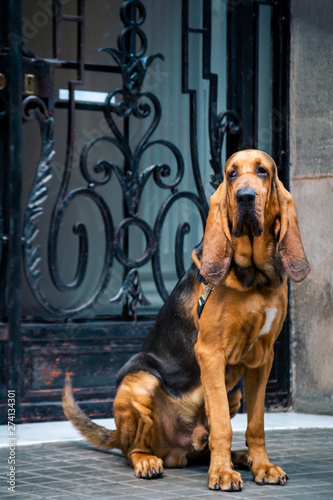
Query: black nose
point(245, 197)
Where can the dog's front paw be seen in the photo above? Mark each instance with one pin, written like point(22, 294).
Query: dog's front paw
point(225, 480)
point(148, 467)
point(267, 473)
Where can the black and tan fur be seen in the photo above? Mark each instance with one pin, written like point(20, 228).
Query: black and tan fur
point(174, 399)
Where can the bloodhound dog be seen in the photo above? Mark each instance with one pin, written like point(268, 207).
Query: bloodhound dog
point(175, 398)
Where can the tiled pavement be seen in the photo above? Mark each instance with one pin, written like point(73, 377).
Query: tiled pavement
point(73, 470)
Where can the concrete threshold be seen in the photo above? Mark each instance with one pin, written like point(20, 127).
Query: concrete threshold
point(55, 432)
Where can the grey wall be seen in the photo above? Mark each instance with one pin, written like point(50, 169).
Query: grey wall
point(312, 189)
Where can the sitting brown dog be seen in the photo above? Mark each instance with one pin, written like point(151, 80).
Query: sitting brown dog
point(175, 398)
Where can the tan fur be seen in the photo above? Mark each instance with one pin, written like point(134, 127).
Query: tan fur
point(242, 320)
point(148, 420)
point(236, 333)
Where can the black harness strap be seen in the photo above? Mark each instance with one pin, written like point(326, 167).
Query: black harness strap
point(205, 294)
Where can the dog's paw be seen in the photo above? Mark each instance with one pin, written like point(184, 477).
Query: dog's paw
point(240, 459)
point(149, 467)
point(268, 474)
point(200, 438)
point(225, 480)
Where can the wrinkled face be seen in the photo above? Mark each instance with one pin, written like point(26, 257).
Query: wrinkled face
point(250, 176)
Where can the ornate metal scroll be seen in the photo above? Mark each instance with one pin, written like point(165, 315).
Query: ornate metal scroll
point(33, 107)
point(129, 101)
point(132, 100)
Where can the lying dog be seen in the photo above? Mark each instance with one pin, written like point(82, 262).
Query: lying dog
point(175, 398)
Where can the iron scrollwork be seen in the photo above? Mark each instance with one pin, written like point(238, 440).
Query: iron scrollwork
point(132, 100)
point(129, 101)
point(33, 107)
point(226, 122)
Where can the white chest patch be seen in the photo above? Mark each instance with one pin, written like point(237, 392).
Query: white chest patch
point(270, 316)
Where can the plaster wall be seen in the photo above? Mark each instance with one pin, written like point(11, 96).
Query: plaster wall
point(311, 125)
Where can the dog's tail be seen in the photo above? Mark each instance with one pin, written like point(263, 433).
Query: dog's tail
point(95, 434)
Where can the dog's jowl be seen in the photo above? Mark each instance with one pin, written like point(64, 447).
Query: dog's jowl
point(176, 397)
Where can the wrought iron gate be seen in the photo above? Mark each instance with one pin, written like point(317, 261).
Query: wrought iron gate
point(69, 331)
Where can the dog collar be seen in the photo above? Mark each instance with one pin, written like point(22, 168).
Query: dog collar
point(205, 294)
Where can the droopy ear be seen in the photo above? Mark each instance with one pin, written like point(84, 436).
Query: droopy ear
point(290, 245)
point(217, 248)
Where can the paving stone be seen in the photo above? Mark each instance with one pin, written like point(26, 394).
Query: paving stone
point(73, 470)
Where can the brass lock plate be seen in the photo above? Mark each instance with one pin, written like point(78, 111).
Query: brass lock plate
point(29, 84)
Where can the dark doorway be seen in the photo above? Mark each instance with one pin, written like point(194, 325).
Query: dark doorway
point(108, 158)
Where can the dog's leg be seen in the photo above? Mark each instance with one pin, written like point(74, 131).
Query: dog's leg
point(145, 464)
point(212, 364)
point(133, 411)
point(263, 471)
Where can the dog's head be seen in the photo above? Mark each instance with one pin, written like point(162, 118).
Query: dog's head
point(251, 207)
point(250, 177)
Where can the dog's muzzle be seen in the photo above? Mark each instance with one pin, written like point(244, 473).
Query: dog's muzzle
point(245, 198)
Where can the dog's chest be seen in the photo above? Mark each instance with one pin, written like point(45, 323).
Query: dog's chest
point(262, 330)
point(247, 324)
point(267, 319)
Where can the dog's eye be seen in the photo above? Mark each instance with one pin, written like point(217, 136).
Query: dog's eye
point(262, 172)
point(232, 175)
